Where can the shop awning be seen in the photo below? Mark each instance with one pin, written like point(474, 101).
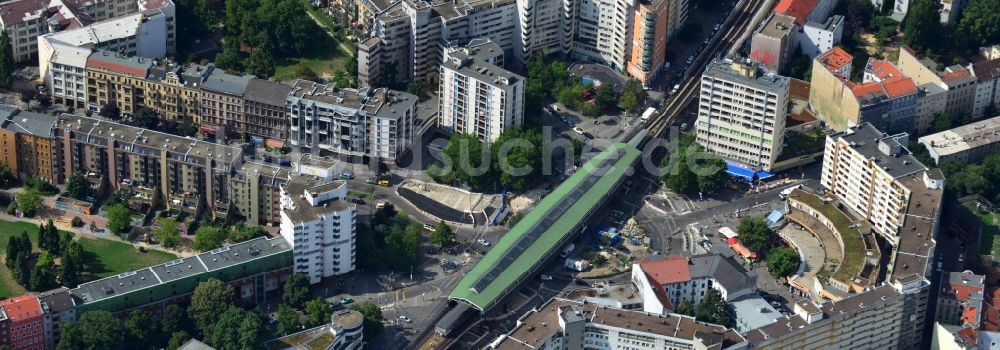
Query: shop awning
point(738, 171)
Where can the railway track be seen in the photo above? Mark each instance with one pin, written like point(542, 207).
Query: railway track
point(740, 25)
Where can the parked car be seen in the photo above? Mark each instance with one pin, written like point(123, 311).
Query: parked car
point(346, 300)
point(483, 242)
point(358, 201)
point(428, 227)
point(370, 180)
point(405, 319)
point(545, 277)
point(346, 176)
point(578, 131)
point(582, 283)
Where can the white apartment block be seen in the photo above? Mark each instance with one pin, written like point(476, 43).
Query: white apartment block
point(602, 32)
point(351, 124)
point(389, 46)
point(25, 20)
point(741, 114)
point(546, 27)
point(664, 284)
point(562, 324)
point(477, 97)
point(320, 226)
point(861, 166)
point(65, 73)
point(816, 38)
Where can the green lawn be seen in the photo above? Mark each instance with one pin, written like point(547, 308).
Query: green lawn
point(989, 240)
point(105, 257)
point(325, 58)
point(854, 246)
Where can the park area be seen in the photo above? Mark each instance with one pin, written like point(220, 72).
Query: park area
point(326, 57)
point(989, 243)
point(103, 257)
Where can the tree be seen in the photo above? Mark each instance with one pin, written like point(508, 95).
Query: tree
point(206, 301)
point(288, 320)
point(442, 235)
point(302, 71)
point(942, 122)
point(174, 320)
point(516, 158)
point(27, 94)
point(29, 202)
point(229, 59)
point(7, 177)
point(317, 313)
point(416, 89)
point(245, 233)
point(980, 23)
point(77, 187)
point(43, 275)
point(922, 25)
point(756, 235)
point(606, 96)
point(22, 270)
point(296, 290)
point(119, 219)
point(712, 309)
point(7, 65)
point(261, 64)
point(208, 238)
point(111, 111)
point(144, 118)
point(372, 325)
point(783, 262)
point(685, 308)
point(236, 329)
point(167, 233)
point(469, 160)
point(72, 267)
point(139, 329)
point(177, 339)
point(101, 330)
point(633, 97)
point(70, 337)
point(711, 174)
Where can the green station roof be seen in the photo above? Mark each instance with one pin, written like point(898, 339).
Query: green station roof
point(516, 254)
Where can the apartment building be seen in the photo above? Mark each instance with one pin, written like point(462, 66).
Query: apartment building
point(950, 10)
point(987, 73)
point(221, 102)
point(477, 97)
point(741, 113)
point(192, 176)
point(29, 146)
point(352, 124)
point(25, 20)
point(65, 72)
point(58, 308)
point(957, 81)
point(650, 31)
point(948, 337)
point(319, 224)
point(546, 27)
point(772, 44)
point(172, 91)
point(889, 316)
point(961, 300)
point(664, 284)
point(565, 324)
point(602, 32)
point(967, 144)
point(385, 57)
point(860, 166)
point(886, 98)
point(256, 187)
point(22, 325)
point(264, 112)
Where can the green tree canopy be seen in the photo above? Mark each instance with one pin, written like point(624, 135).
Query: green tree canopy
point(712, 309)
point(288, 320)
point(174, 320)
point(139, 330)
point(317, 313)
point(296, 290)
point(29, 202)
point(177, 339)
point(7, 65)
point(206, 301)
point(922, 26)
point(756, 235)
point(73, 264)
point(442, 235)
point(980, 23)
point(77, 187)
point(71, 338)
point(685, 308)
point(783, 262)
point(236, 329)
point(119, 219)
point(101, 330)
point(208, 237)
point(166, 233)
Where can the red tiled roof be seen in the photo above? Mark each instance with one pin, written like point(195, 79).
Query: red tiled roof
point(883, 70)
point(969, 315)
point(899, 86)
point(800, 9)
point(21, 307)
point(673, 269)
point(991, 315)
point(955, 75)
point(969, 335)
point(835, 59)
point(115, 67)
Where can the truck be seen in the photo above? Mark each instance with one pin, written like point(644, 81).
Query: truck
point(787, 192)
point(577, 265)
point(567, 250)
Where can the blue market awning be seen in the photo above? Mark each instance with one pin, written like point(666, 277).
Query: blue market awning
point(763, 175)
point(739, 171)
